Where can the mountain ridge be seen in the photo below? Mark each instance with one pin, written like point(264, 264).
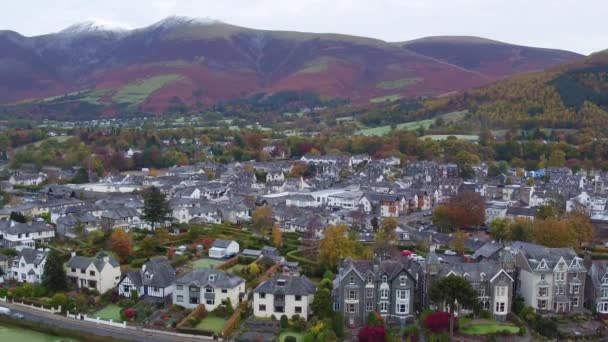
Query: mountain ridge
point(215, 61)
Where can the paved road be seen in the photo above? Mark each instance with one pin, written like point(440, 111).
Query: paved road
point(130, 334)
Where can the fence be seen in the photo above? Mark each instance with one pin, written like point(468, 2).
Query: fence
point(52, 310)
point(97, 320)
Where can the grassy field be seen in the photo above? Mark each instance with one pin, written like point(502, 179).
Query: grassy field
point(299, 337)
point(383, 130)
point(471, 137)
point(212, 323)
point(110, 312)
point(483, 329)
point(388, 98)
point(136, 92)
point(398, 84)
point(206, 263)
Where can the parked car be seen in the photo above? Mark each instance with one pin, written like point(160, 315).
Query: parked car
point(5, 311)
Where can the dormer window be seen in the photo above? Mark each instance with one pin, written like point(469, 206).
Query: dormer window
point(605, 280)
point(482, 276)
point(281, 282)
point(466, 276)
point(147, 276)
point(384, 279)
point(212, 277)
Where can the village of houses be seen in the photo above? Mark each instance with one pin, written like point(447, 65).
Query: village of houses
point(170, 287)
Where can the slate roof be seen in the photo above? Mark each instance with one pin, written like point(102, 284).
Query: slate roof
point(161, 271)
point(473, 270)
point(32, 256)
point(287, 285)
point(200, 278)
point(536, 253)
point(82, 262)
point(522, 211)
point(221, 243)
point(15, 228)
point(487, 250)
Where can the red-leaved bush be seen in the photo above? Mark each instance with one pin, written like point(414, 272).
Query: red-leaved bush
point(130, 313)
point(372, 333)
point(439, 322)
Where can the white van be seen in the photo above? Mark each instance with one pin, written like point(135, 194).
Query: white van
point(5, 311)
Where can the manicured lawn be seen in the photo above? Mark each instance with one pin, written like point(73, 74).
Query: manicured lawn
point(299, 337)
point(482, 329)
point(212, 323)
point(206, 263)
point(110, 312)
point(236, 268)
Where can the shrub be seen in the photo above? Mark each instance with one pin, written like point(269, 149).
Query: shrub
point(438, 322)
point(545, 327)
point(522, 331)
point(373, 318)
point(372, 333)
point(298, 324)
point(130, 313)
point(284, 322)
point(485, 314)
point(291, 339)
point(59, 299)
point(309, 337)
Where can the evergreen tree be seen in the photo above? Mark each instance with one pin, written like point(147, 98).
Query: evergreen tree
point(54, 277)
point(156, 208)
point(18, 217)
point(453, 292)
point(81, 177)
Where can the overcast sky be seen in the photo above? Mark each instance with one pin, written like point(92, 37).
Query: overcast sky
point(575, 25)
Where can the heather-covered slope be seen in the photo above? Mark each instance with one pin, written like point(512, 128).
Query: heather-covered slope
point(183, 62)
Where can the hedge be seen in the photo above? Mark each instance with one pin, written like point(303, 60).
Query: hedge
point(291, 256)
point(234, 320)
point(228, 264)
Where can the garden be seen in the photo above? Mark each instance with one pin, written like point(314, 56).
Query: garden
point(206, 263)
point(488, 327)
point(110, 312)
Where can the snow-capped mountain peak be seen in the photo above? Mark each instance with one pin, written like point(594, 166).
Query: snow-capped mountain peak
point(177, 21)
point(96, 26)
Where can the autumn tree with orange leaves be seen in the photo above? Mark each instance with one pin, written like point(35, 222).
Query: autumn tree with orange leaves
point(464, 209)
point(121, 244)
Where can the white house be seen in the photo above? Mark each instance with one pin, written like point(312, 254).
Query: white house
point(496, 210)
point(275, 176)
point(346, 199)
point(284, 295)
point(28, 266)
point(14, 234)
point(208, 286)
point(27, 179)
point(223, 248)
point(301, 201)
point(101, 273)
point(154, 279)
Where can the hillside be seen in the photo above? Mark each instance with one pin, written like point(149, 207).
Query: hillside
point(179, 63)
point(573, 95)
